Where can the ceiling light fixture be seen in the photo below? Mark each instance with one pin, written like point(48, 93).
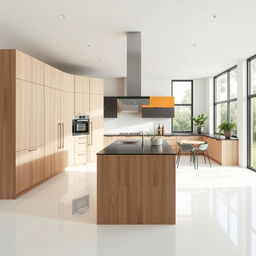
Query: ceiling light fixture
point(62, 16)
point(214, 16)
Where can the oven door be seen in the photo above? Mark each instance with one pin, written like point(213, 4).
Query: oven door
point(80, 127)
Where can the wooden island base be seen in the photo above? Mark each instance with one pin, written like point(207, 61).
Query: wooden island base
point(136, 189)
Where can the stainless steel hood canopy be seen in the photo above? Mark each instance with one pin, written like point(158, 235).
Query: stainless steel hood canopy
point(133, 89)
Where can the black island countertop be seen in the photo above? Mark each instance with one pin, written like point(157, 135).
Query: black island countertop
point(118, 148)
point(214, 136)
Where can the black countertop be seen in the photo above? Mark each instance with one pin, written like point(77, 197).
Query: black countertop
point(214, 136)
point(117, 148)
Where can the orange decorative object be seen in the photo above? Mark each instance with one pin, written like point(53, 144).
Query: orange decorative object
point(160, 102)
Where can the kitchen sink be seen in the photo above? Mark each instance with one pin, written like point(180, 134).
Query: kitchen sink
point(129, 142)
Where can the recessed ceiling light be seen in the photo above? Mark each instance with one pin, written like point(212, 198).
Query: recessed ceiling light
point(214, 16)
point(62, 16)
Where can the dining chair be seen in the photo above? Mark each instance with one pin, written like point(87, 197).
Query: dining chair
point(188, 149)
point(204, 149)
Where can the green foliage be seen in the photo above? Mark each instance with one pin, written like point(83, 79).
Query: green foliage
point(226, 126)
point(199, 121)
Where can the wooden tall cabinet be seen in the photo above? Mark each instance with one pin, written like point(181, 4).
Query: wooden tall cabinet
point(67, 114)
point(96, 141)
point(82, 95)
point(37, 105)
point(52, 131)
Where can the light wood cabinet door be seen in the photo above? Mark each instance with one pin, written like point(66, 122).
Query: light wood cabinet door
point(67, 114)
point(82, 103)
point(29, 168)
point(96, 128)
point(29, 115)
point(96, 86)
point(67, 82)
point(23, 66)
point(52, 131)
point(29, 68)
point(52, 77)
point(82, 84)
point(37, 71)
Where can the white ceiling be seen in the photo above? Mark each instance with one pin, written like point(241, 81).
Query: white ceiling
point(169, 30)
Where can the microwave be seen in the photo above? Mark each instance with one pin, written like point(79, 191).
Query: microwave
point(80, 125)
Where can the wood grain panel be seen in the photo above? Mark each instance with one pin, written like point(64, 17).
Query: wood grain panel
point(82, 103)
point(52, 77)
point(96, 86)
point(29, 115)
point(23, 66)
point(67, 82)
point(96, 132)
point(229, 152)
point(82, 84)
point(52, 131)
point(136, 189)
point(29, 69)
point(37, 71)
point(7, 124)
point(29, 168)
point(67, 114)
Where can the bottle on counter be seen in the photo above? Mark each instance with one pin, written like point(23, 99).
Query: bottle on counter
point(159, 130)
point(163, 130)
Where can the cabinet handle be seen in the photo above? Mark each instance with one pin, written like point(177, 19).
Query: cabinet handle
point(32, 149)
point(91, 134)
point(82, 154)
point(81, 142)
point(63, 130)
point(59, 135)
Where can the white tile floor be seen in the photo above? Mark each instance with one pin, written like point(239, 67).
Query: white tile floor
point(216, 215)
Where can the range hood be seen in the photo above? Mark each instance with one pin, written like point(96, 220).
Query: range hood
point(149, 107)
point(133, 86)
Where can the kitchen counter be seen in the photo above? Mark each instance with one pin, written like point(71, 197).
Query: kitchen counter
point(117, 148)
point(136, 185)
point(214, 136)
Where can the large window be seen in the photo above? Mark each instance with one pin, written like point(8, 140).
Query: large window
point(252, 112)
point(225, 98)
point(182, 90)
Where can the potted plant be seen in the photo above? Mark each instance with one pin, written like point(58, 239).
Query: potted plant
point(227, 128)
point(199, 121)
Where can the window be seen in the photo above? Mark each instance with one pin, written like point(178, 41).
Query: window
point(225, 98)
point(251, 89)
point(182, 90)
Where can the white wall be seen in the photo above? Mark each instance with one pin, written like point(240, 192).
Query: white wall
point(114, 87)
point(200, 100)
point(132, 122)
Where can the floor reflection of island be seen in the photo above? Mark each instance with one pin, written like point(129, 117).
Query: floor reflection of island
point(136, 184)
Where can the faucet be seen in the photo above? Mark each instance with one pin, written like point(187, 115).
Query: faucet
point(142, 139)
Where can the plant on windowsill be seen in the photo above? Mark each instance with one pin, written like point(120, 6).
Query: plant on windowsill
point(227, 128)
point(199, 121)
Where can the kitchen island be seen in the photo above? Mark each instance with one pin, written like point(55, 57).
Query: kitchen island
point(136, 183)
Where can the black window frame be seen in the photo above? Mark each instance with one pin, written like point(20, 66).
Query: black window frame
point(184, 105)
point(228, 100)
point(249, 121)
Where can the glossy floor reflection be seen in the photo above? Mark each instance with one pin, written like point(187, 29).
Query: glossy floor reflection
point(216, 215)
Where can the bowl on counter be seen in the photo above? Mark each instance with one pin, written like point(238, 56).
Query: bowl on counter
point(156, 141)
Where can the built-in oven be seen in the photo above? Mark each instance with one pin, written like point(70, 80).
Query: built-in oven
point(81, 125)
